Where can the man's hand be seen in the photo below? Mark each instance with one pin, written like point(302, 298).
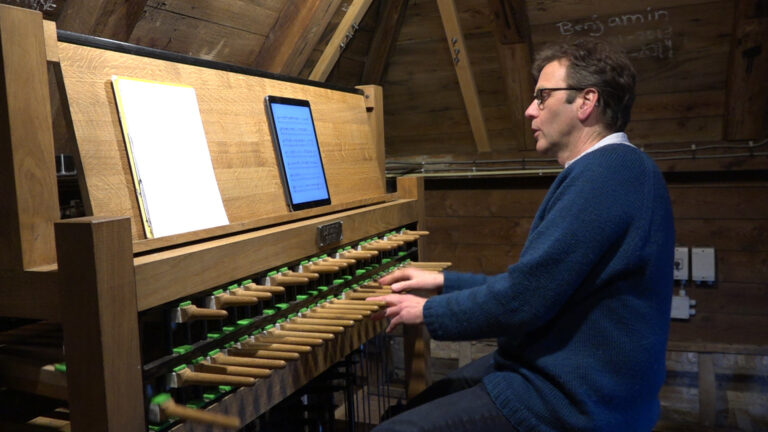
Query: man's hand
point(413, 279)
point(401, 309)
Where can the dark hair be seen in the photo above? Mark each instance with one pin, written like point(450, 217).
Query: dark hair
point(596, 64)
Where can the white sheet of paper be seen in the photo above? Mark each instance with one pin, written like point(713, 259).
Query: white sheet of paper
point(170, 157)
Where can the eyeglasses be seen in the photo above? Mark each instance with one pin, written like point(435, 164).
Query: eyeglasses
point(540, 96)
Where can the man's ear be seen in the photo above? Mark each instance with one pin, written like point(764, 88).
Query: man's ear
point(589, 100)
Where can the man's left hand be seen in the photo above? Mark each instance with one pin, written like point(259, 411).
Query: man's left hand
point(401, 309)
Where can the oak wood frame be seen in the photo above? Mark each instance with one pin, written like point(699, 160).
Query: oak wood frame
point(100, 277)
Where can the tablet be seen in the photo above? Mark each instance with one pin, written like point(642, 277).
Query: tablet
point(297, 152)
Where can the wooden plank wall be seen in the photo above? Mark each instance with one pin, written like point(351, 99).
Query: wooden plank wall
point(481, 226)
point(680, 49)
point(229, 32)
point(424, 109)
point(730, 213)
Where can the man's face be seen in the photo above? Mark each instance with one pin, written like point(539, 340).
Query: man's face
point(554, 123)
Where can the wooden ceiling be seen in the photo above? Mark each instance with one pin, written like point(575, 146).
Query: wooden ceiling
point(701, 63)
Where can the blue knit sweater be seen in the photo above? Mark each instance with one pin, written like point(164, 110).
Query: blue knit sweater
point(582, 318)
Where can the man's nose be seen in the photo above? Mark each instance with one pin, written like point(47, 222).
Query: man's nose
point(532, 111)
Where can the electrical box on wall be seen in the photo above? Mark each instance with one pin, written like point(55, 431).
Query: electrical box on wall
point(681, 269)
point(703, 265)
point(682, 307)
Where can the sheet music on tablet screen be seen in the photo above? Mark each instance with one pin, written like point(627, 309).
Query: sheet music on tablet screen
point(298, 147)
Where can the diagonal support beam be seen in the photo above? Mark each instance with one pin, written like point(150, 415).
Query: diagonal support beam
point(294, 36)
point(340, 39)
point(384, 39)
point(510, 21)
point(463, 67)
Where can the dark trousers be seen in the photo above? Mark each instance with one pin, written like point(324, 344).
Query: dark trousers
point(458, 402)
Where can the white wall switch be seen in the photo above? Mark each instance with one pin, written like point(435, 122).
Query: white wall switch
point(681, 271)
point(703, 265)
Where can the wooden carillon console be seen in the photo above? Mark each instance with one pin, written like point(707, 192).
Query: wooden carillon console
point(196, 330)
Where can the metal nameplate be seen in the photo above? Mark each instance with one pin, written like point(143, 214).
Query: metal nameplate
point(329, 234)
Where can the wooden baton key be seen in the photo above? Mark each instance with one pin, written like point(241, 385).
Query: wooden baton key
point(379, 247)
point(348, 309)
point(220, 300)
point(328, 314)
point(305, 274)
point(351, 295)
point(341, 262)
point(320, 268)
point(322, 336)
point(358, 254)
point(162, 407)
point(320, 321)
point(273, 289)
point(391, 242)
point(263, 353)
point(261, 295)
point(224, 359)
point(269, 346)
point(366, 306)
point(373, 291)
point(378, 303)
point(281, 280)
point(403, 237)
point(288, 340)
point(189, 312)
point(232, 370)
point(182, 377)
point(311, 328)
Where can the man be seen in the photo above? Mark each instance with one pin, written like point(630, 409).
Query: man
point(582, 318)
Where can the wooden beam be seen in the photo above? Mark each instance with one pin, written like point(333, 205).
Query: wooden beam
point(417, 365)
point(510, 21)
point(340, 39)
point(294, 35)
point(374, 105)
point(27, 165)
point(110, 19)
point(413, 188)
point(19, 302)
point(51, 41)
point(515, 62)
point(453, 34)
point(416, 346)
point(707, 389)
point(747, 113)
point(100, 322)
point(384, 39)
point(513, 46)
